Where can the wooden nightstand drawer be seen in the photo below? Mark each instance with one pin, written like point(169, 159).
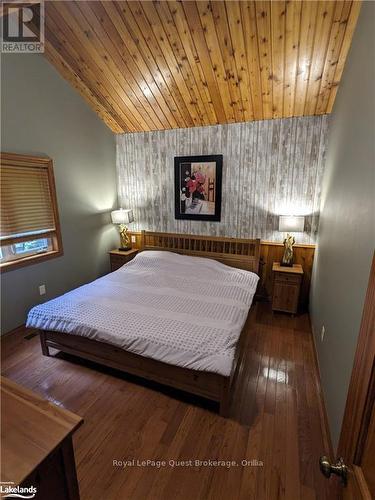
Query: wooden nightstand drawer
point(117, 262)
point(119, 257)
point(288, 278)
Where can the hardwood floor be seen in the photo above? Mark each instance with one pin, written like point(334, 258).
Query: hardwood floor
point(276, 420)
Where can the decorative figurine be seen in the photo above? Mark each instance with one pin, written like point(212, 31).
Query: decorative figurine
point(287, 259)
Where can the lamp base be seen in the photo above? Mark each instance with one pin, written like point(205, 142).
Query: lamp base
point(286, 264)
point(124, 238)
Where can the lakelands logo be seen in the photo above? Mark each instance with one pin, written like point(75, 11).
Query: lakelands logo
point(22, 27)
point(8, 490)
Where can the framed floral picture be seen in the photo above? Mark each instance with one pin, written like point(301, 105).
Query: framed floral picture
point(198, 187)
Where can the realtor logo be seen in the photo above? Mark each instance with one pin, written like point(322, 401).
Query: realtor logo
point(22, 27)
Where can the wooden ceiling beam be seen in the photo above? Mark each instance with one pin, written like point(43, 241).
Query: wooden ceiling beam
point(263, 27)
point(350, 26)
point(292, 35)
point(188, 69)
point(170, 76)
point(150, 87)
point(248, 16)
point(157, 65)
point(340, 18)
point(55, 58)
point(322, 33)
point(241, 106)
point(238, 46)
point(83, 66)
point(184, 81)
point(139, 80)
point(197, 32)
point(306, 45)
point(79, 43)
point(207, 23)
point(141, 53)
point(111, 52)
point(278, 15)
point(182, 29)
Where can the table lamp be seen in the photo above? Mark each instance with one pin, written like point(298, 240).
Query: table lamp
point(122, 217)
point(293, 224)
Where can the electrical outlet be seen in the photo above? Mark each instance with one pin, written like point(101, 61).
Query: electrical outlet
point(322, 333)
point(134, 240)
point(42, 289)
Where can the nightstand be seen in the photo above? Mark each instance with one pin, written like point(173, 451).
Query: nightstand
point(286, 287)
point(120, 257)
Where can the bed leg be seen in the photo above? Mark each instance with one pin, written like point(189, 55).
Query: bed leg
point(224, 409)
point(43, 343)
point(225, 400)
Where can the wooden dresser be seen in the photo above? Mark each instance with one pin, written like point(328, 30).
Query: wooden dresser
point(120, 257)
point(286, 287)
point(37, 450)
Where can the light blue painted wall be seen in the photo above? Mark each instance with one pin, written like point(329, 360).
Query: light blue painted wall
point(346, 237)
point(43, 114)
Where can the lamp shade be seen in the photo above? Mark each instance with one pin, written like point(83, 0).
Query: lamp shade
point(291, 223)
point(122, 216)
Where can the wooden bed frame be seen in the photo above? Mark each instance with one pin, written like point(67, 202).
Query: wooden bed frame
point(240, 253)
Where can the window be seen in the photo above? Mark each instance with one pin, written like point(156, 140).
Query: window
point(40, 245)
point(29, 222)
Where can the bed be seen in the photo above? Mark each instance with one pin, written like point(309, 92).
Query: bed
point(175, 314)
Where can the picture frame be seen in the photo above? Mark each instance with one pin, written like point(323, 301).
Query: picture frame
point(198, 185)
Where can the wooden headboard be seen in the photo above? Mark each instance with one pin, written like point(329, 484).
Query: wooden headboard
point(235, 252)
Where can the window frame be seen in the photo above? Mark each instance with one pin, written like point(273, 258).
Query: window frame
point(55, 235)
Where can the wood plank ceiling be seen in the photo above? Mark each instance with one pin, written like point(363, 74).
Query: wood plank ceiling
point(159, 65)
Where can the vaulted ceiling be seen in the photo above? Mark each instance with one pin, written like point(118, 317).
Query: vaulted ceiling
point(159, 65)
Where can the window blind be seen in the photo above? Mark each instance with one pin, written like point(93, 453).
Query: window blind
point(25, 203)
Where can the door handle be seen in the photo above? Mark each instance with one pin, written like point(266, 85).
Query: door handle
point(339, 468)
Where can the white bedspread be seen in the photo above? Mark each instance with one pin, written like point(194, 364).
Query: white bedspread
point(185, 311)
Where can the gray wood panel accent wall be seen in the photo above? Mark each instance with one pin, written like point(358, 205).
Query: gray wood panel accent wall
point(270, 167)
